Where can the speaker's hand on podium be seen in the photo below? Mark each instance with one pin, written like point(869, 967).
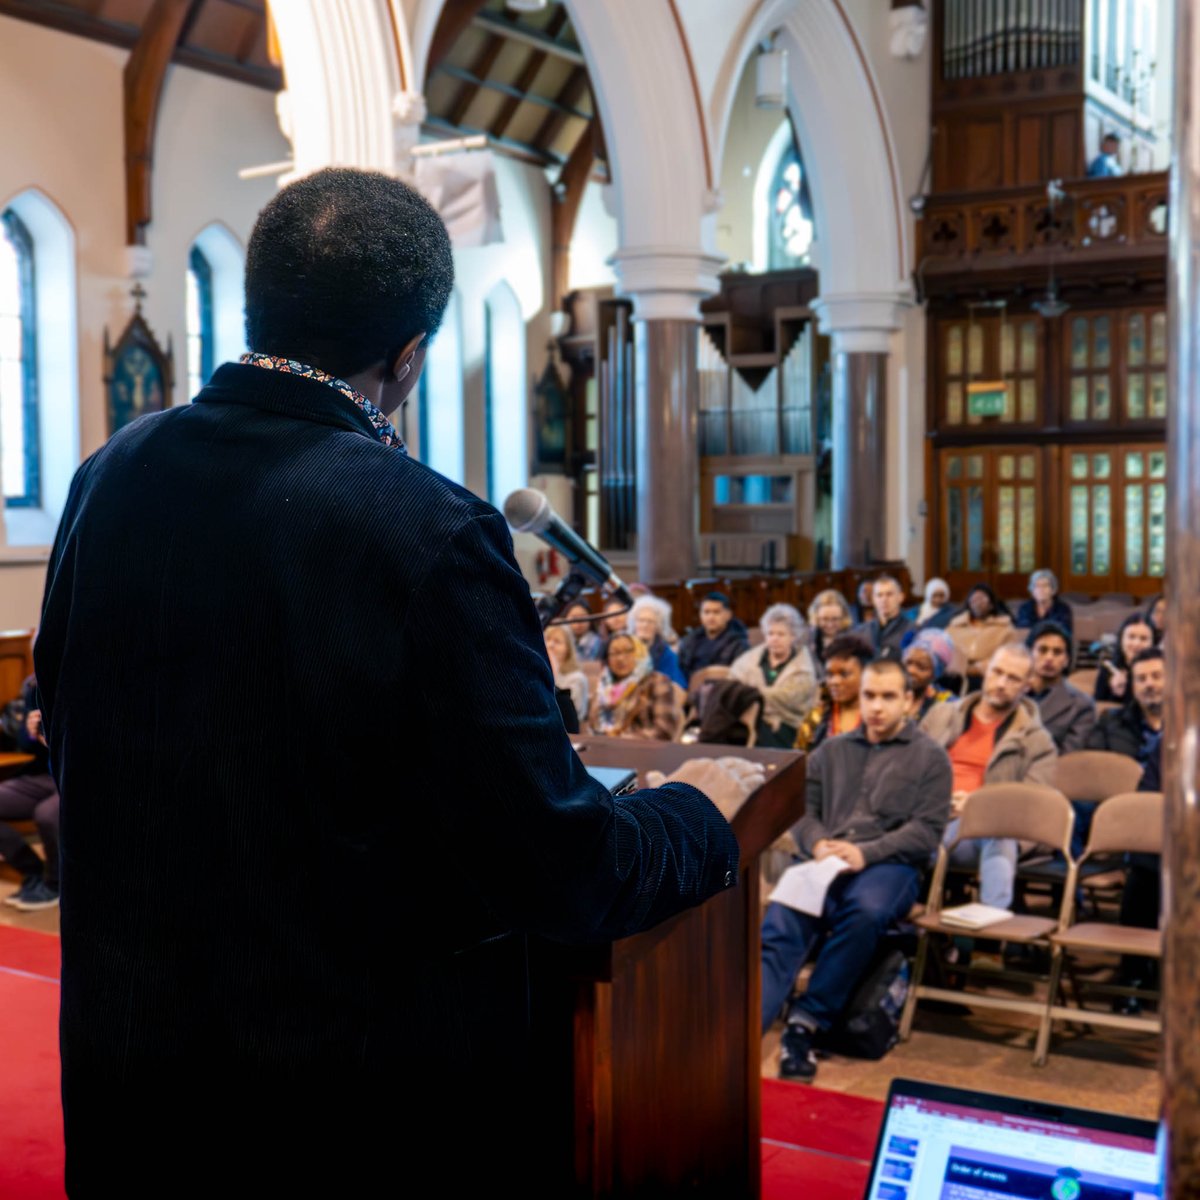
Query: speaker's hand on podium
point(727, 782)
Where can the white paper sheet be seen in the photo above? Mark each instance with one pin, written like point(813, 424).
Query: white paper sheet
point(804, 885)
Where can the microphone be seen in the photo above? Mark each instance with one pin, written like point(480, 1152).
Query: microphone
point(528, 511)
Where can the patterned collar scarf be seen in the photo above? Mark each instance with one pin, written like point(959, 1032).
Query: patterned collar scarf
point(615, 695)
point(385, 431)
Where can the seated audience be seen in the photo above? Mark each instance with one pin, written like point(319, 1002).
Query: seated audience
point(560, 646)
point(782, 671)
point(979, 630)
point(1044, 604)
point(878, 799)
point(993, 736)
point(589, 642)
point(632, 699)
point(936, 610)
point(1130, 728)
point(836, 710)
point(720, 638)
point(31, 796)
point(1134, 635)
point(887, 628)
point(927, 656)
point(650, 620)
point(1066, 712)
point(1156, 613)
point(828, 616)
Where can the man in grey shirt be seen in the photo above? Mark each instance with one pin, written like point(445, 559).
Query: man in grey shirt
point(878, 798)
point(1067, 713)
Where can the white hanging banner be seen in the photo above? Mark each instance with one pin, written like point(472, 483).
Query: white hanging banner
point(462, 187)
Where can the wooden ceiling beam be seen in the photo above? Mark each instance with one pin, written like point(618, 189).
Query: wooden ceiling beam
point(456, 16)
point(508, 89)
point(484, 61)
point(522, 151)
point(144, 75)
point(507, 27)
point(533, 64)
point(574, 87)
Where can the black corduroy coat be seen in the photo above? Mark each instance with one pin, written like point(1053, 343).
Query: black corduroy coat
point(316, 792)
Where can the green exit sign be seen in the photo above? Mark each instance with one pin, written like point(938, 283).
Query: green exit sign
point(987, 399)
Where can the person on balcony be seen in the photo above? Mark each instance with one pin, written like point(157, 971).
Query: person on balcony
point(1108, 162)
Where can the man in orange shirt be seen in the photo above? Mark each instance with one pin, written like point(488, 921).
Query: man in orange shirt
point(994, 735)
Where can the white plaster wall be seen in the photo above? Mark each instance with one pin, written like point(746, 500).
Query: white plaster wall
point(523, 261)
point(62, 133)
point(593, 241)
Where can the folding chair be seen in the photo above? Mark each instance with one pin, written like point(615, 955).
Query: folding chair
point(1025, 812)
point(1130, 823)
point(1087, 778)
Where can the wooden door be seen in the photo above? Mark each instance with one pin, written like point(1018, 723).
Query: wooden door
point(991, 529)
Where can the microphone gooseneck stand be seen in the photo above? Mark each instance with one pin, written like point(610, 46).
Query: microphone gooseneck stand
point(550, 606)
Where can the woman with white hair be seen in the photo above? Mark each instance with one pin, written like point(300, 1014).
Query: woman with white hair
point(650, 622)
point(782, 671)
point(1043, 603)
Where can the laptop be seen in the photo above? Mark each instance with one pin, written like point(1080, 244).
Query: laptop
point(943, 1143)
point(618, 780)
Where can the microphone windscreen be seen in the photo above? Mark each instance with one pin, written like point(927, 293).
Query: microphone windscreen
point(527, 511)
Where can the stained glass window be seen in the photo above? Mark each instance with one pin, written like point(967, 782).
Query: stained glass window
point(1091, 358)
point(19, 437)
point(1145, 360)
point(791, 230)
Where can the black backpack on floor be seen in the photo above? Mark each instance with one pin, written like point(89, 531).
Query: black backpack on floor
point(870, 1026)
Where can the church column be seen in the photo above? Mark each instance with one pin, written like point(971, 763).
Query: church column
point(861, 331)
point(666, 285)
point(1181, 738)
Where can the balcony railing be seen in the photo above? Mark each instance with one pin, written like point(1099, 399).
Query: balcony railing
point(1094, 219)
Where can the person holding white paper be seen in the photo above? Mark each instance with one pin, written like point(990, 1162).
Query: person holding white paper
point(878, 799)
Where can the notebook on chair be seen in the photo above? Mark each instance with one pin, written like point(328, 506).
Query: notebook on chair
point(944, 1143)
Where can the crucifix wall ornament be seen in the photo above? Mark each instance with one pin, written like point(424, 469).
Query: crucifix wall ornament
point(138, 373)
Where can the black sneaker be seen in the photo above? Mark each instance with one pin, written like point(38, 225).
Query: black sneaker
point(27, 883)
point(37, 896)
point(797, 1059)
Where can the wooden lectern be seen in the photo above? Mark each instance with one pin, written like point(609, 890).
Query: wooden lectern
point(652, 1043)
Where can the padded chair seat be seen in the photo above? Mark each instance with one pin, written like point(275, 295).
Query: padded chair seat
point(1014, 929)
point(1116, 939)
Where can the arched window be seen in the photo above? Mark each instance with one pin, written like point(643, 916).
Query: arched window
point(199, 321)
point(439, 432)
point(790, 229)
point(505, 395)
point(19, 441)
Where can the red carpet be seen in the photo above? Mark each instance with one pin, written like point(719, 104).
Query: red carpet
point(816, 1143)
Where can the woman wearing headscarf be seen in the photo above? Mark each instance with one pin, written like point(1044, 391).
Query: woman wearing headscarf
point(632, 699)
point(936, 611)
point(927, 657)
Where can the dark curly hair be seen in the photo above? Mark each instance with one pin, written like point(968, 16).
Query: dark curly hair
point(344, 268)
point(850, 645)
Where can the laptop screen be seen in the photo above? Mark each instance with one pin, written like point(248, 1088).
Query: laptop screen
point(940, 1143)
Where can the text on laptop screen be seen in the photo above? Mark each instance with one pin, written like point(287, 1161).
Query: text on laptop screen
point(933, 1150)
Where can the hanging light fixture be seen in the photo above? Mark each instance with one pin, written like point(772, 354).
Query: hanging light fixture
point(770, 73)
point(1051, 304)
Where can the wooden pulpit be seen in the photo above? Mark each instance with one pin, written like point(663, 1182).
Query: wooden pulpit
point(653, 1042)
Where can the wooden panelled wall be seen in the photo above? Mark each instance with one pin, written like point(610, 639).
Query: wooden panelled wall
point(1070, 475)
